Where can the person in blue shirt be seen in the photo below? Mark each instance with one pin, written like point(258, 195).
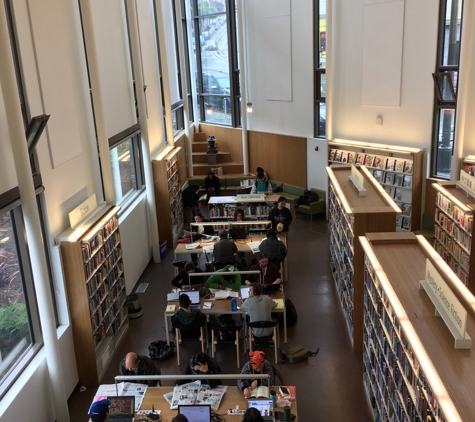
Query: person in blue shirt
point(261, 185)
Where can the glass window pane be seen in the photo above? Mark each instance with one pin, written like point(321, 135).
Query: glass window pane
point(322, 119)
point(322, 34)
point(220, 109)
point(453, 19)
point(206, 7)
point(123, 169)
point(15, 332)
point(445, 142)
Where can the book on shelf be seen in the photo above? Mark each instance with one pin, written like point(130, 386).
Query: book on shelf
point(262, 391)
point(337, 156)
point(406, 209)
point(389, 178)
point(368, 160)
point(398, 180)
point(406, 223)
point(399, 166)
point(407, 181)
point(390, 163)
point(377, 175)
point(359, 158)
point(398, 194)
point(408, 167)
point(351, 157)
point(332, 155)
point(389, 190)
point(398, 221)
point(344, 156)
point(378, 162)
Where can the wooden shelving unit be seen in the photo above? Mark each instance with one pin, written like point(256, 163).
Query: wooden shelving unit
point(412, 372)
point(351, 215)
point(453, 228)
point(168, 200)
point(94, 274)
point(398, 169)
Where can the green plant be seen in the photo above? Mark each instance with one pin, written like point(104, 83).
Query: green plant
point(13, 320)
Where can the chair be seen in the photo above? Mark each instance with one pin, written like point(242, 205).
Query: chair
point(217, 327)
point(264, 324)
point(188, 332)
point(278, 375)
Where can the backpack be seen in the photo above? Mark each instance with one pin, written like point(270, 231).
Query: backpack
point(294, 352)
point(161, 350)
point(219, 325)
point(291, 312)
point(308, 197)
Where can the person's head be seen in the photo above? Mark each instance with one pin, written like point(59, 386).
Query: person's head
point(190, 267)
point(255, 290)
point(228, 274)
point(239, 215)
point(200, 358)
point(198, 217)
point(210, 174)
point(252, 415)
point(132, 361)
point(184, 301)
point(259, 170)
point(260, 175)
point(99, 410)
point(223, 234)
point(195, 188)
point(256, 359)
point(271, 233)
point(180, 418)
point(281, 202)
point(263, 259)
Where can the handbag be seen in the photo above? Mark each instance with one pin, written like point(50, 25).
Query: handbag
point(161, 350)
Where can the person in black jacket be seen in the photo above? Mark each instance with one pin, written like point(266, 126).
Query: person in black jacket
point(209, 230)
point(224, 250)
point(201, 364)
point(190, 202)
point(212, 185)
point(280, 216)
point(183, 279)
point(135, 364)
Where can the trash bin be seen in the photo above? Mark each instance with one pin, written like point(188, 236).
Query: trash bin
point(163, 248)
point(133, 306)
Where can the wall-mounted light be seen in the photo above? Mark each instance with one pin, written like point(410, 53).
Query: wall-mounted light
point(209, 109)
point(249, 107)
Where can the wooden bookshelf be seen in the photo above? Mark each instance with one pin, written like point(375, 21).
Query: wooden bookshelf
point(94, 275)
point(453, 228)
point(168, 199)
point(398, 169)
point(412, 372)
point(351, 215)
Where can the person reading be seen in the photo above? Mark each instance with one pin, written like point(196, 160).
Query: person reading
point(182, 279)
point(135, 364)
point(256, 365)
point(224, 278)
point(269, 272)
point(202, 364)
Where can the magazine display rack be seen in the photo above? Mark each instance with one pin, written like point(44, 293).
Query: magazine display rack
point(397, 169)
point(350, 216)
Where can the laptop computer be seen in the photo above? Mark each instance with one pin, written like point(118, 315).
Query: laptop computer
point(265, 408)
point(195, 412)
point(194, 296)
point(268, 289)
point(122, 408)
point(237, 233)
point(245, 292)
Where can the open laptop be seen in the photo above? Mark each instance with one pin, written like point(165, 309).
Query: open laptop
point(121, 408)
point(268, 289)
point(265, 407)
point(194, 296)
point(237, 233)
point(196, 412)
point(245, 292)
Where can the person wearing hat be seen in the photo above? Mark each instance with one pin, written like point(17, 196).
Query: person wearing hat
point(273, 247)
point(99, 411)
point(224, 278)
point(280, 214)
point(224, 250)
point(135, 364)
point(256, 365)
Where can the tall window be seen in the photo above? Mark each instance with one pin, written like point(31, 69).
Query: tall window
point(216, 67)
point(445, 82)
point(320, 57)
point(126, 163)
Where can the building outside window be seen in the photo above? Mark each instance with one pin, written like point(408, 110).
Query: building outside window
point(320, 78)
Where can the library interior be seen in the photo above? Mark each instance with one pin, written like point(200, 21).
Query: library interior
point(303, 171)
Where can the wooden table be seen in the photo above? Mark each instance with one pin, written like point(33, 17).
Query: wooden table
point(232, 397)
point(223, 306)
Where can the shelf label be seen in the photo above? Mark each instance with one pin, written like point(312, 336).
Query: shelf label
point(82, 211)
point(358, 180)
point(447, 306)
point(251, 196)
point(467, 183)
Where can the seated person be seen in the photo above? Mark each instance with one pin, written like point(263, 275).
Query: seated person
point(273, 247)
point(224, 250)
point(208, 229)
point(280, 216)
point(99, 411)
point(224, 278)
point(187, 320)
point(259, 308)
point(252, 415)
point(261, 170)
point(135, 364)
point(256, 365)
point(201, 364)
point(212, 185)
point(180, 418)
point(261, 185)
point(183, 280)
point(269, 271)
point(239, 215)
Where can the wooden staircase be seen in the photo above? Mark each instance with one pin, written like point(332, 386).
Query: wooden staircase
point(200, 158)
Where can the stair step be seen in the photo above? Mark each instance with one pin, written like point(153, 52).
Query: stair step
point(202, 158)
point(200, 137)
point(228, 168)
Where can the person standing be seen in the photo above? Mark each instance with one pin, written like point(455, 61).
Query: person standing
point(224, 250)
point(135, 364)
point(273, 247)
point(212, 185)
point(190, 202)
point(280, 216)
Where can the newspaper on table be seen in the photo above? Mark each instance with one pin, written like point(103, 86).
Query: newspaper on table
point(123, 389)
point(254, 246)
point(195, 393)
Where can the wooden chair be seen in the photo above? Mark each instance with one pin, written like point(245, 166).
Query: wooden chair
point(187, 333)
point(264, 324)
point(218, 327)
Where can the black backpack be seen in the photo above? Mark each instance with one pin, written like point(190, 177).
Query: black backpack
point(308, 197)
point(291, 312)
point(161, 350)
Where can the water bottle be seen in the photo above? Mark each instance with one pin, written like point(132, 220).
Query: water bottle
point(273, 397)
point(233, 304)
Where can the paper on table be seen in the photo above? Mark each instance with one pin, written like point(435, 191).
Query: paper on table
point(124, 389)
point(208, 249)
point(207, 305)
point(192, 245)
point(280, 303)
point(254, 246)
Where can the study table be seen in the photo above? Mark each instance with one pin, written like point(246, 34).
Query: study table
point(223, 306)
point(232, 398)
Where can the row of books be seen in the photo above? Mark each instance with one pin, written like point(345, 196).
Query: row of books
point(395, 179)
point(91, 246)
point(403, 223)
point(106, 313)
point(172, 170)
point(450, 210)
point(369, 160)
point(469, 168)
point(454, 264)
point(170, 161)
point(173, 181)
point(399, 194)
point(449, 229)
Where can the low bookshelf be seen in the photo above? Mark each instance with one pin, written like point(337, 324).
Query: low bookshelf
point(350, 216)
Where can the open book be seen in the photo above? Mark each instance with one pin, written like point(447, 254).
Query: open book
point(260, 392)
point(224, 294)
